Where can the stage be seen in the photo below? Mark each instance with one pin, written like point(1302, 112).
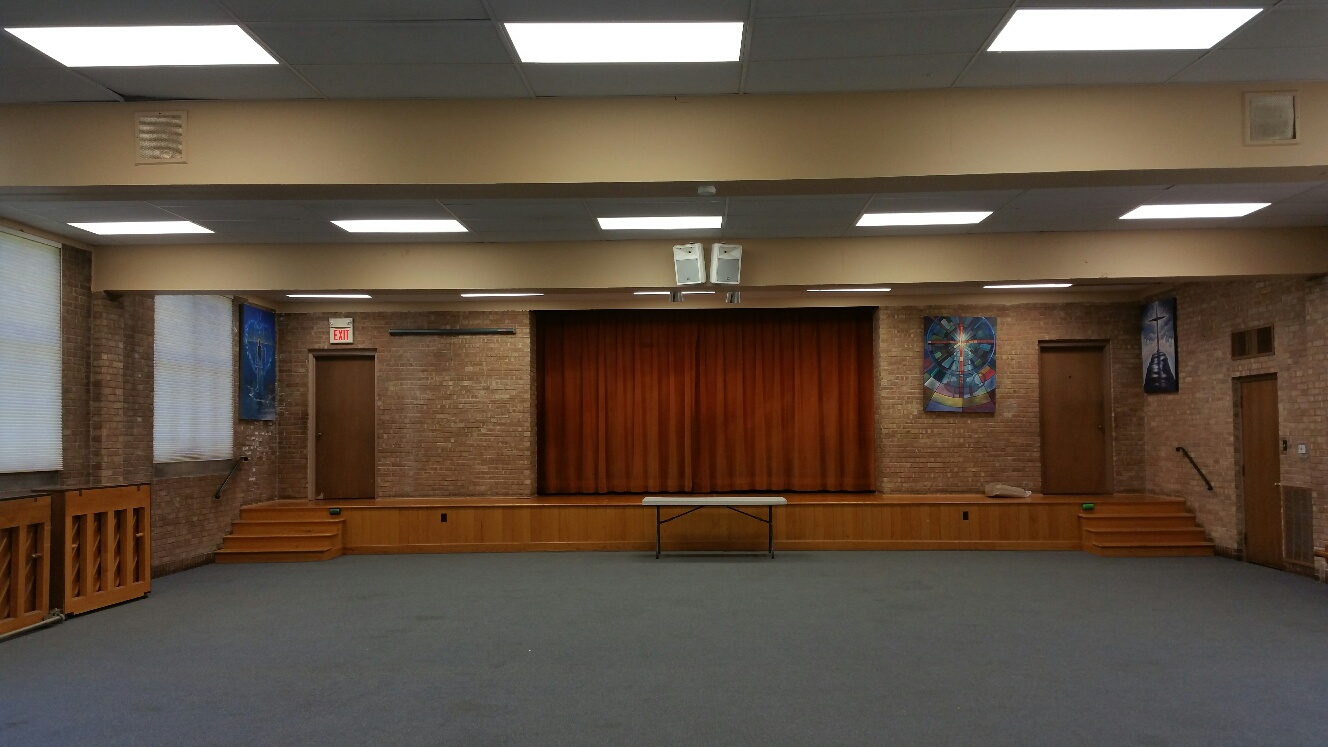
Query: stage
point(1123, 524)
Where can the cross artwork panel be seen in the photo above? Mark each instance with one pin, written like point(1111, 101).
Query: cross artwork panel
point(258, 363)
point(959, 363)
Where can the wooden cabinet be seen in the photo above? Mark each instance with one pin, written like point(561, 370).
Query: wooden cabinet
point(104, 542)
point(25, 561)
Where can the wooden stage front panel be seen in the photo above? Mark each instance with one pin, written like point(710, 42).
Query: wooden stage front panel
point(819, 522)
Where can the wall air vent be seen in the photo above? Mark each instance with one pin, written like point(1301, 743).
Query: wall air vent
point(1252, 343)
point(159, 137)
point(1272, 118)
point(1298, 525)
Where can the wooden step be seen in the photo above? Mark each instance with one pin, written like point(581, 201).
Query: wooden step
point(269, 556)
point(1144, 550)
point(1115, 508)
point(1145, 535)
point(1093, 520)
point(266, 512)
point(282, 542)
point(267, 526)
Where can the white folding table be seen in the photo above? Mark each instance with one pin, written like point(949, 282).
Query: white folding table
point(731, 502)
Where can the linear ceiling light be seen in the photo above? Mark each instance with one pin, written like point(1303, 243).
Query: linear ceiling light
point(1111, 29)
point(848, 290)
point(626, 42)
point(328, 295)
point(142, 228)
point(922, 219)
point(662, 223)
point(651, 293)
point(499, 295)
point(1028, 286)
point(1211, 210)
point(401, 226)
point(146, 46)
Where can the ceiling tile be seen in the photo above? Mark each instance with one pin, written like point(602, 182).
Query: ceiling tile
point(906, 231)
point(740, 231)
point(1001, 69)
point(376, 209)
point(1014, 220)
point(1302, 63)
point(855, 74)
point(626, 208)
point(522, 210)
point(926, 202)
point(1074, 197)
point(827, 209)
point(15, 53)
point(1199, 193)
point(273, 228)
point(237, 209)
point(634, 80)
point(199, 82)
point(515, 235)
point(1318, 194)
point(1284, 27)
point(94, 212)
point(383, 43)
point(616, 10)
point(103, 13)
point(818, 37)
point(415, 81)
point(48, 84)
point(784, 8)
point(358, 10)
point(584, 224)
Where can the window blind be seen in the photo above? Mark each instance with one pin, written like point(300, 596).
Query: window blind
point(193, 380)
point(30, 412)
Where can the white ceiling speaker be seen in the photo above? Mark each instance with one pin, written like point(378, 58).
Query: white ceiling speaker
point(1271, 118)
point(725, 263)
point(689, 264)
point(159, 137)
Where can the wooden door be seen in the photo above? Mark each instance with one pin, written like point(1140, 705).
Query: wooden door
point(1076, 424)
point(344, 427)
point(1261, 468)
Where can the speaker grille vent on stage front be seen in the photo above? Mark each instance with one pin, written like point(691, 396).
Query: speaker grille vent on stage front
point(1271, 118)
point(160, 137)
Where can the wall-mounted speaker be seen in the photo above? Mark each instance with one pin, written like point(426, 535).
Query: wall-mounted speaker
point(1272, 118)
point(689, 264)
point(725, 263)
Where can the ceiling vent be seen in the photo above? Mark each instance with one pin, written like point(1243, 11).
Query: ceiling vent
point(160, 136)
point(1271, 118)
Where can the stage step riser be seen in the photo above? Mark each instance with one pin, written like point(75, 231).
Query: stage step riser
point(261, 513)
point(1151, 552)
point(1142, 507)
point(1146, 536)
point(261, 556)
point(292, 542)
point(252, 527)
point(1138, 521)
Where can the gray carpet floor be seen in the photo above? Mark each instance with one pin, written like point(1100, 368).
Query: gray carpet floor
point(851, 648)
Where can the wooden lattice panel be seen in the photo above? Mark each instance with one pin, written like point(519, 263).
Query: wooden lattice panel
point(105, 547)
point(1298, 525)
point(25, 563)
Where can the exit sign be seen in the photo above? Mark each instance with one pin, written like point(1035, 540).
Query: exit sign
point(342, 331)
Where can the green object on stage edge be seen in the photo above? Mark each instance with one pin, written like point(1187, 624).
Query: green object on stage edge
point(334, 511)
point(1087, 506)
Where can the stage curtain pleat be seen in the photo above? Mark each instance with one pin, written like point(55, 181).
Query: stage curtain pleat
point(705, 401)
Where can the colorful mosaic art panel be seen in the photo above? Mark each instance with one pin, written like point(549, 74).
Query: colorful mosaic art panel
point(959, 363)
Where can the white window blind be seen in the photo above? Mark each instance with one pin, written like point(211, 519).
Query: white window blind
point(193, 379)
point(30, 414)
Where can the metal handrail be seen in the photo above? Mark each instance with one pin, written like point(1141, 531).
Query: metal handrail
point(236, 465)
point(1195, 465)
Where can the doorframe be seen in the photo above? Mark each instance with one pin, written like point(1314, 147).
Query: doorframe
point(1238, 430)
point(311, 425)
point(1108, 414)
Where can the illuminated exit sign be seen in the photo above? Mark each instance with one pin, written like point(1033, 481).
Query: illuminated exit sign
point(342, 331)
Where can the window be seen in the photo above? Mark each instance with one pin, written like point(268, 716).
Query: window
point(193, 380)
point(30, 414)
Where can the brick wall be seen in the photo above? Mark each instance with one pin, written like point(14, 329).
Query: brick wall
point(76, 362)
point(455, 415)
point(927, 452)
point(1202, 415)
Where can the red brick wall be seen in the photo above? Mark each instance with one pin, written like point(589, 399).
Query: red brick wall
point(922, 452)
point(120, 393)
point(1202, 415)
point(455, 414)
point(76, 361)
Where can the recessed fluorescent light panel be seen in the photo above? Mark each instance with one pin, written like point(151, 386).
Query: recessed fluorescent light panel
point(1028, 286)
point(328, 295)
point(848, 290)
point(499, 295)
point(142, 228)
point(1112, 29)
point(401, 226)
point(651, 293)
point(146, 46)
point(626, 42)
point(1212, 210)
point(662, 223)
point(922, 219)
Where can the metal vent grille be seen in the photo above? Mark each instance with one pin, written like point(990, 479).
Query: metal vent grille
point(1298, 525)
point(1252, 343)
point(160, 137)
point(1271, 118)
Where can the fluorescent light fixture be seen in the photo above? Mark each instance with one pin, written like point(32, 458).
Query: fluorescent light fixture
point(328, 295)
point(923, 219)
point(401, 226)
point(499, 295)
point(651, 293)
point(142, 227)
point(662, 223)
point(1110, 29)
point(848, 290)
point(146, 46)
point(1211, 210)
point(1027, 286)
point(698, 293)
point(627, 42)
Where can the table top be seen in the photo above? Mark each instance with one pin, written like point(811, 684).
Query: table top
point(713, 500)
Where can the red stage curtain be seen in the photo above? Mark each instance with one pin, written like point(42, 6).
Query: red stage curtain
point(705, 401)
